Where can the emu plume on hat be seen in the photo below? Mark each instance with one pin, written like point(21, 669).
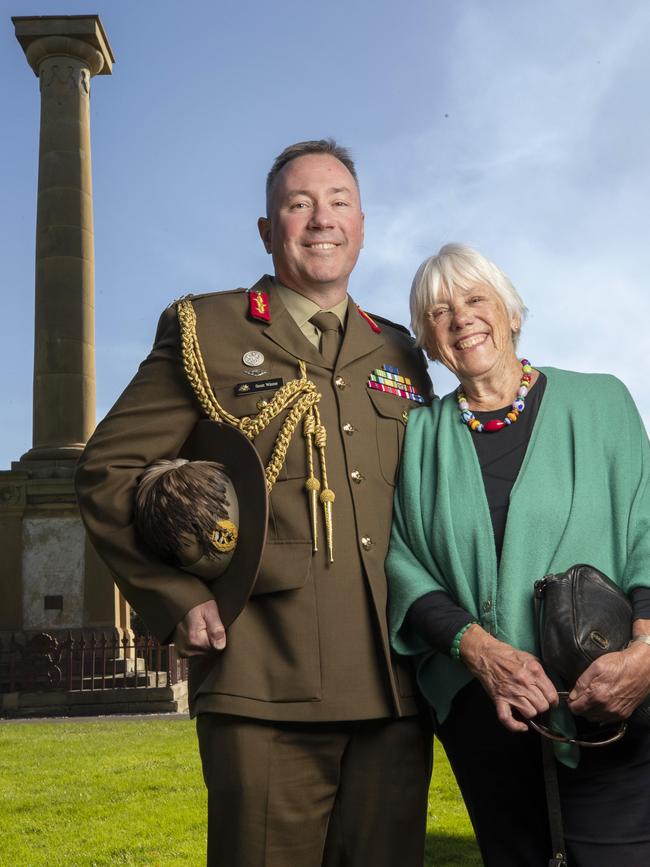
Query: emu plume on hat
point(188, 513)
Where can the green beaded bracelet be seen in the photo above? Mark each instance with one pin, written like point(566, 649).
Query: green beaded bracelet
point(455, 644)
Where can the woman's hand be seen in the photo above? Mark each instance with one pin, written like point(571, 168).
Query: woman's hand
point(613, 686)
point(514, 679)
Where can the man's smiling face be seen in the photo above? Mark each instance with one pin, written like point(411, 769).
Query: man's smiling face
point(314, 230)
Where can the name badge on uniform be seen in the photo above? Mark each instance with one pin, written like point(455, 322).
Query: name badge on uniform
point(243, 388)
point(388, 379)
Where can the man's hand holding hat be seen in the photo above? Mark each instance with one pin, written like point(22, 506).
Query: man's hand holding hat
point(200, 631)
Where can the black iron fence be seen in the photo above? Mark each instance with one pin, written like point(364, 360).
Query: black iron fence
point(88, 663)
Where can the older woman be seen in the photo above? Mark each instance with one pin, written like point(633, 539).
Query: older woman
point(520, 472)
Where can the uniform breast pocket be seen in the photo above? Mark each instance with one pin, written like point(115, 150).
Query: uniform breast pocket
point(391, 415)
point(249, 404)
point(237, 401)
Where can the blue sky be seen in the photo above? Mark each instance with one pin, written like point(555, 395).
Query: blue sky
point(520, 128)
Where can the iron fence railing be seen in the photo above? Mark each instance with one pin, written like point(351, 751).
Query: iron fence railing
point(88, 663)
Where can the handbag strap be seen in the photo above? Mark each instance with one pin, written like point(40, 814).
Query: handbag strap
point(610, 737)
point(553, 805)
point(538, 592)
point(551, 785)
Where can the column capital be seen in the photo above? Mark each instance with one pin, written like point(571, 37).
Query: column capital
point(80, 37)
point(57, 47)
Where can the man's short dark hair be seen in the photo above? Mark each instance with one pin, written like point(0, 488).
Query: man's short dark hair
point(301, 149)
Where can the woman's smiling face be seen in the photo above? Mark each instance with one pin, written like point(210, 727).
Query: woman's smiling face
point(470, 332)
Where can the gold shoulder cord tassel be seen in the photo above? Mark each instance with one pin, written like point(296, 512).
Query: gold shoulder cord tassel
point(327, 495)
point(297, 395)
point(312, 485)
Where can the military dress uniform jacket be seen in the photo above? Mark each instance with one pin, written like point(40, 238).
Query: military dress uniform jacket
point(312, 642)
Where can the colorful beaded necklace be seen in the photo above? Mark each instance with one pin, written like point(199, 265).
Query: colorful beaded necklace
point(495, 424)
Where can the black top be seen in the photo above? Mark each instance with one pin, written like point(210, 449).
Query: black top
point(435, 616)
point(501, 455)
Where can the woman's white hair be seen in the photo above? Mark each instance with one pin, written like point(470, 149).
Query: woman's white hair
point(458, 268)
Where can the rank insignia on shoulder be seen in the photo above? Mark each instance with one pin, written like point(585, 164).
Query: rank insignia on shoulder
point(371, 322)
point(258, 305)
point(253, 387)
point(388, 379)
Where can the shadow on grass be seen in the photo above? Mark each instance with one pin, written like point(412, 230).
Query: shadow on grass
point(444, 850)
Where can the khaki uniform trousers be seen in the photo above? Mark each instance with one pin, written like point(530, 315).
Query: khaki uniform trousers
point(344, 794)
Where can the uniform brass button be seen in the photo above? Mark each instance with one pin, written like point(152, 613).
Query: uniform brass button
point(487, 605)
point(366, 543)
point(357, 477)
point(349, 428)
point(262, 403)
point(339, 382)
point(405, 416)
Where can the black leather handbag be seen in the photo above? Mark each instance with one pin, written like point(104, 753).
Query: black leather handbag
point(581, 614)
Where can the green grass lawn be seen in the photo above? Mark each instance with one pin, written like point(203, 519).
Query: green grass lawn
point(78, 794)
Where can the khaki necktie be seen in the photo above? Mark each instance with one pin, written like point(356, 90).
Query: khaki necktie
point(329, 325)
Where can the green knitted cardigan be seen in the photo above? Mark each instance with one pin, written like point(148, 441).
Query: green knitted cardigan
point(582, 496)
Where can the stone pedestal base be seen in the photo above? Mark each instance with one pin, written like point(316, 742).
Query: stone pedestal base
point(162, 699)
point(51, 579)
point(49, 463)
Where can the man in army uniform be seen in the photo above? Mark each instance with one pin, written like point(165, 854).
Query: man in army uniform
point(312, 748)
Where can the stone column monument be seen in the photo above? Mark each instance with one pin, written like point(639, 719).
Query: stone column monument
point(64, 53)
point(50, 577)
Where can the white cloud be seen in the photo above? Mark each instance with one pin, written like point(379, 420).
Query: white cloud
point(526, 168)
